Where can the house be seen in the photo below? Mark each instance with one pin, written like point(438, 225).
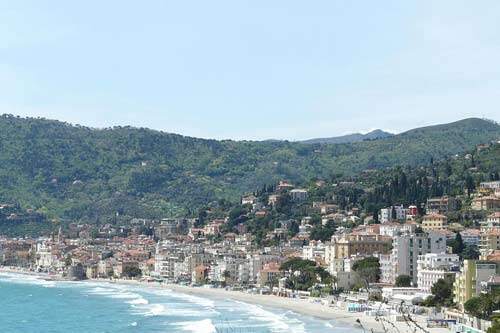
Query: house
point(489, 242)
point(269, 275)
point(273, 199)
point(299, 194)
point(434, 222)
point(471, 236)
point(392, 213)
point(442, 205)
point(492, 222)
point(248, 200)
point(199, 274)
point(489, 187)
point(284, 186)
point(485, 203)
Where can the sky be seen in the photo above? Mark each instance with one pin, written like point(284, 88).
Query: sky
point(251, 70)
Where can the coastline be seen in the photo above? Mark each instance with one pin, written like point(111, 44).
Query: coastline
point(305, 307)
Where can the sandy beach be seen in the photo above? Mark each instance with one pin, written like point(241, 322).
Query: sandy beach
point(310, 308)
point(305, 307)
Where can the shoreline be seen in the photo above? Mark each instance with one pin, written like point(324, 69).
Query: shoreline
point(305, 307)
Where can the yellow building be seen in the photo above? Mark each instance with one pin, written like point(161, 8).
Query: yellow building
point(434, 222)
point(346, 246)
point(468, 282)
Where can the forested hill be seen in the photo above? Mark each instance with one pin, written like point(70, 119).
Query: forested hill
point(351, 138)
point(74, 172)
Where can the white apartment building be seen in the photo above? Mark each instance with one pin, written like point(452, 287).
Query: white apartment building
point(393, 229)
point(386, 214)
point(405, 252)
point(313, 250)
point(434, 266)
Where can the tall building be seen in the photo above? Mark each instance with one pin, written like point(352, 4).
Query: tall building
point(405, 252)
point(468, 281)
point(434, 266)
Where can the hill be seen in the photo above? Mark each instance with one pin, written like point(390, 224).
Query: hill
point(77, 173)
point(351, 138)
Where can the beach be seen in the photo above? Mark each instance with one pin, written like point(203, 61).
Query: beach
point(307, 307)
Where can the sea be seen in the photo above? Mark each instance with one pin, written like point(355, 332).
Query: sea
point(34, 304)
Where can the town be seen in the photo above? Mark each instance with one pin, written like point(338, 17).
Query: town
point(439, 258)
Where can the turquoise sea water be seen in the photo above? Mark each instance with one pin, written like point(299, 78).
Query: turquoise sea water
point(32, 304)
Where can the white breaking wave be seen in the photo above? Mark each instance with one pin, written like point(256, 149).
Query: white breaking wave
point(277, 323)
point(26, 279)
point(188, 298)
point(202, 326)
point(138, 301)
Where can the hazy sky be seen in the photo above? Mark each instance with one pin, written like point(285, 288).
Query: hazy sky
point(251, 69)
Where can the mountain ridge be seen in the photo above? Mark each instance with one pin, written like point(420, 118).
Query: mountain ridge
point(78, 173)
point(351, 138)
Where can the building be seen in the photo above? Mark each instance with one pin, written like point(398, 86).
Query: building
point(406, 250)
point(468, 281)
point(489, 242)
point(434, 266)
point(492, 223)
point(485, 203)
point(471, 236)
point(199, 274)
point(248, 200)
point(489, 187)
point(395, 229)
point(442, 205)
point(345, 246)
point(434, 222)
point(269, 275)
point(392, 213)
point(298, 194)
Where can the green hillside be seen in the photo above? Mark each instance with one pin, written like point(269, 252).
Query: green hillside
point(77, 173)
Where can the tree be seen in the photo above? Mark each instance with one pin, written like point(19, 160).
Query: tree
point(304, 274)
point(323, 232)
point(131, 272)
point(403, 281)
point(457, 244)
point(471, 252)
point(367, 269)
point(442, 293)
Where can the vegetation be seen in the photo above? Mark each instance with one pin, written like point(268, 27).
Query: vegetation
point(73, 173)
point(442, 293)
point(403, 281)
point(131, 272)
point(304, 274)
point(367, 270)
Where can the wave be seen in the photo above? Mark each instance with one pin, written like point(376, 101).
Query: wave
point(276, 322)
point(26, 279)
point(202, 326)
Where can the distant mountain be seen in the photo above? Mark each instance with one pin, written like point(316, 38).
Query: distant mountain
point(351, 138)
point(104, 175)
